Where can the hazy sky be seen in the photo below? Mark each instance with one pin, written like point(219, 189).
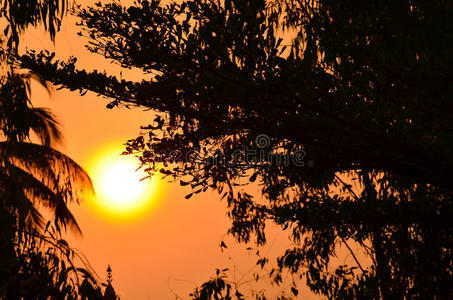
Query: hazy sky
point(175, 245)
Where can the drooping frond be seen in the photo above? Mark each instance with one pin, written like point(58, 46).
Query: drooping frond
point(18, 117)
point(54, 200)
point(51, 167)
point(42, 174)
point(64, 218)
point(16, 201)
point(45, 125)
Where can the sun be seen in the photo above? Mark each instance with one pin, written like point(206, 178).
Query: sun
point(122, 191)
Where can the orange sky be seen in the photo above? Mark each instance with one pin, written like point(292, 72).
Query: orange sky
point(176, 244)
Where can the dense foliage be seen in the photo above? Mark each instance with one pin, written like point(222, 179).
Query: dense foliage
point(356, 95)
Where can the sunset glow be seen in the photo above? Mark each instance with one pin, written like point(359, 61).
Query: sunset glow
point(120, 194)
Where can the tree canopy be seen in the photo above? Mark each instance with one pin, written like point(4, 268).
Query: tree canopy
point(356, 95)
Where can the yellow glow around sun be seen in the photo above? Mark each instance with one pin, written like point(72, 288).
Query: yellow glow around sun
point(119, 192)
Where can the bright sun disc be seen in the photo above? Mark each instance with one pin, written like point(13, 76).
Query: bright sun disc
point(119, 190)
point(120, 185)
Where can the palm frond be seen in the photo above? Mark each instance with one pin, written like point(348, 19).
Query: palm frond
point(64, 218)
point(54, 200)
point(16, 201)
point(44, 124)
point(17, 115)
point(50, 166)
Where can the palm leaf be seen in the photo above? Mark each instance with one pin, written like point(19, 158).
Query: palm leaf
point(45, 125)
point(36, 174)
point(50, 166)
point(16, 201)
point(39, 193)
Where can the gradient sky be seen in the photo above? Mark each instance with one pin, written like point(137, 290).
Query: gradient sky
point(175, 245)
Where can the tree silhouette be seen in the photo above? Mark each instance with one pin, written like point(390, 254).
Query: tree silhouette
point(35, 262)
point(355, 95)
point(32, 173)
